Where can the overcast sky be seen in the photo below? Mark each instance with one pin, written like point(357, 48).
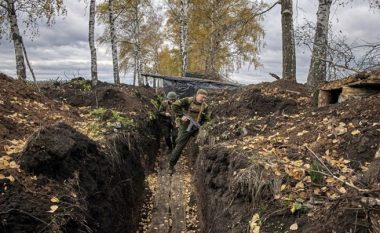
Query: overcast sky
point(62, 50)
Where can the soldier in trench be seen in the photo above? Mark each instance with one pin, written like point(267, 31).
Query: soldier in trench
point(191, 111)
point(169, 129)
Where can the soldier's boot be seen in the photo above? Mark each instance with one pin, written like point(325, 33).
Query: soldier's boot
point(171, 170)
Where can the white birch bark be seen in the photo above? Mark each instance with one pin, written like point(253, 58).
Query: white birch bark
point(184, 36)
point(288, 43)
point(317, 71)
point(113, 43)
point(91, 38)
point(17, 40)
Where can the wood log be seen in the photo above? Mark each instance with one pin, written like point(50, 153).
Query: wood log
point(324, 98)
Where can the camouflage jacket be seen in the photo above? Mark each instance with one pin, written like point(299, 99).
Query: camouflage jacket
point(188, 106)
point(166, 108)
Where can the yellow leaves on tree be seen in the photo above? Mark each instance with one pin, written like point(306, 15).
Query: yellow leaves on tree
point(222, 34)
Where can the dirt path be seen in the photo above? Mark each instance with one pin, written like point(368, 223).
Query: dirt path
point(171, 206)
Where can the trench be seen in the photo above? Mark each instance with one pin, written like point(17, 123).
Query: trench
point(155, 201)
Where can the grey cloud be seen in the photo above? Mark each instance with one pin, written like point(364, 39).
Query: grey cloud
point(63, 48)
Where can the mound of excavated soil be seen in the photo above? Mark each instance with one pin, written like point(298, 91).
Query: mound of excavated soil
point(124, 98)
point(23, 110)
point(263, 99)
point(245, 157)
point(62, 181)
point(58, 151)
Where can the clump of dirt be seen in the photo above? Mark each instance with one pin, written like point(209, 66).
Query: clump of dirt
point(61, 180)
point(309, 159)
point(263, 99)
point(23, 109)
point(131, 100)
point(57, 152)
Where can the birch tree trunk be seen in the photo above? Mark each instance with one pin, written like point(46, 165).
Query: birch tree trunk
point(17, 40)
point(184, 36)
point(288, 43)
point(91, 40)
point(29, 65)
point(317, 71)
point(113, 43)
point(210, 63)
point(137, 35)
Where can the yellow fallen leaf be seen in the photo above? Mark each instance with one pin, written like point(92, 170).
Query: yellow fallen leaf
point(307, 179)
point(340, 130)
point(54, 200)
point(11, 178)
point(300, 185)
point(5, 164)
point(1, 176)
point(302, 133)
point(13, 164)
point(317, 191)
point(297, 163)
point(254, 224)
point(330, 180)
point(53, 208)
point(342, 190)
point(283, 187)
point(355, 132)
point(294, 227)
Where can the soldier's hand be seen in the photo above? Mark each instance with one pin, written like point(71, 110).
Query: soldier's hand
point(167, 114)
point(184, 119)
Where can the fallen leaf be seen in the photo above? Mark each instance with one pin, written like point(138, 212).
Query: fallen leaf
point(13, 164)
point(342, 190)
point(1, 176)
point(294, 227)
point(254, 223)
point(355, 132)
point(11, 178)
point(53, 208)
point(317, 191)
point(340, 130)
point(302, 133)
point(300, 185)
point(54, 200)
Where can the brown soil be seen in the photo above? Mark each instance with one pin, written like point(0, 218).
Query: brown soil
point(23, 110)
point(132, 100)
point(248, 153)
point(98, 186)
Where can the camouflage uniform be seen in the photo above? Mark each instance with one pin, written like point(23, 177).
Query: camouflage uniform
point(199, 112)
point(168, 124)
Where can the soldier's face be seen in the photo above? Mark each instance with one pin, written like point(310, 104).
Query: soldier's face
point(171, 101)
point(201, 98)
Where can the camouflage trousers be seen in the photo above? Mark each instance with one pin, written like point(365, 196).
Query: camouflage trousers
point(170, 134)
point(181, 142)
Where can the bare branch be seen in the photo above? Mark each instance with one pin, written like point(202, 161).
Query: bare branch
point(275, 76)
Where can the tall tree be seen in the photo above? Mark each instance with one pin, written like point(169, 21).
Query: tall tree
point(222, 35)
point(16, 38)
point(184, 35)
point(138, 34)
point(91, 40)
point(288, 42)
point(317, 71)
point(115, 61)
point(30, 11)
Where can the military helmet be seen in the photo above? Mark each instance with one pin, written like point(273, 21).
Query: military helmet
point(172, 95)
point(202, 92)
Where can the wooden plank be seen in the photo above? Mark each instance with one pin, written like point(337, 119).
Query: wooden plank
point(160, 213)
point(177, 202)
point(324, 98)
